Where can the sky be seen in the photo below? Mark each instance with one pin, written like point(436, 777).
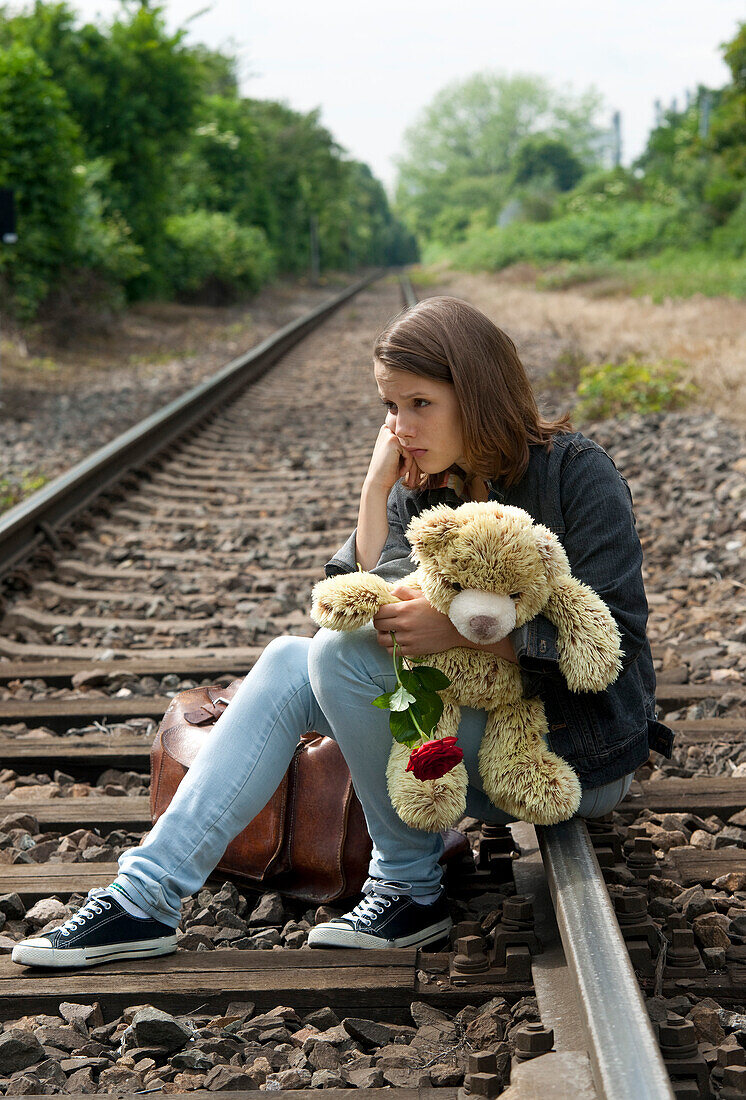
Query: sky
point(372, 68)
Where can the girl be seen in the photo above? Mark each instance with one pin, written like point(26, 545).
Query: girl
point(461, 423)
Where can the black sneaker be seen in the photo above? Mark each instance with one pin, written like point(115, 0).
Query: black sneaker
point(386, 920)
point(99, 932)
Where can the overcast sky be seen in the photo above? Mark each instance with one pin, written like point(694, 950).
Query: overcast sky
point(372, 67)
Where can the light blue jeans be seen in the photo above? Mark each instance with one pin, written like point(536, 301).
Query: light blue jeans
point(325, 683)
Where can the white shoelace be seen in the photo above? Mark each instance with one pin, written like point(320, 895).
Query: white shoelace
point(372, 905)
point(95, 905)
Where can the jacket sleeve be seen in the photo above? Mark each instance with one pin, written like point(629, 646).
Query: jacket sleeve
point(394, 561)
point(604, 552)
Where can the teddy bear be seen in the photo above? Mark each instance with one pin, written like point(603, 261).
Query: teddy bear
point(490, 568)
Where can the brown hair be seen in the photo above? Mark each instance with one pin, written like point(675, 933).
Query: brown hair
point(448, 340)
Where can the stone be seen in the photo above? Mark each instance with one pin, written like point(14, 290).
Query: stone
point(229, 1079)
point(434, 1037)
point(489, 1025)
point(734, 880)
point(374, 1034)
point(12, 906)
point(119, 1079)
point(240, 1008)
point(322, 1019)
point(326, 1079)
point(81, 1081)
point(269, 911)
point(63, 1037)
point(364, 1077)
point(259, 1070)
point(427, 1014)
point(193, 1059)
point(49, 1072)
point(710, 930)
point(738, 819)
point(406, 1077)
point(288, 1079)
point(702, 839)
point(91, 1014)
point(324, 1056)
point(25, 1084)
point(46, 910)
point(693, 902)
point(443, 1075)
point(19, 1050)
point(705, 1017)
point(20, 821)
point(152, 1027)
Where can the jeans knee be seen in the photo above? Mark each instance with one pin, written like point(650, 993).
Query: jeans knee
point(283, 654)
point(331, 652)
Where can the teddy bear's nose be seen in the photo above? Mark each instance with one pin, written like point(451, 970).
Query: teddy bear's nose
point(482, 625)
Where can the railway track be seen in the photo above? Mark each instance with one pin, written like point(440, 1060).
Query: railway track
point(170, 558)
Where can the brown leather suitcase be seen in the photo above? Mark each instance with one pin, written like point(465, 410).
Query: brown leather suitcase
point(310, 841)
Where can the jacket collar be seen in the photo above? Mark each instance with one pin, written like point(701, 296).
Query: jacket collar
point(455, 480)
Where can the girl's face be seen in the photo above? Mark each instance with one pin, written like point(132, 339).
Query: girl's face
point(423, 414)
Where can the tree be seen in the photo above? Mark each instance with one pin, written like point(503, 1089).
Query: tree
point(472, 131)
point(40, 149)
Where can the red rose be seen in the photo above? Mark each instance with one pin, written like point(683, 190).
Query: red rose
point(434, 758)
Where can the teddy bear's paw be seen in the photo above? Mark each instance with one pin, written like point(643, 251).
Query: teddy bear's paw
point(350, 601)
point(431, 804)
point(543, 792)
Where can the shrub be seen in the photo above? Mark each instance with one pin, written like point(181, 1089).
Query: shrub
point(211, 255)
point(611, 232)
point(617, 389)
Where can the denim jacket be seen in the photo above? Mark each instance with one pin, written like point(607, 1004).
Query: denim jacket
point(576, 491)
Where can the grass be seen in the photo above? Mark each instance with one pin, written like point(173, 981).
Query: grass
point(14, 490)
point(668, 275)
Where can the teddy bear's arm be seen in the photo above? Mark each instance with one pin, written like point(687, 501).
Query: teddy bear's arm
point(349, 601)
point(588, 638)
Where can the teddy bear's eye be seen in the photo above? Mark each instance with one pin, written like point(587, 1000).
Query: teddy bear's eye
point(515, 595)
point(456, 586)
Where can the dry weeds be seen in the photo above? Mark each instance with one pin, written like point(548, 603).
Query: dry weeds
point(707, 334)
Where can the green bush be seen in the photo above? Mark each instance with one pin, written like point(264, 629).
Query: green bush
point(618, 389)
point(210, 254)
point(730, 238)
point(39, 143)
point(613, 232)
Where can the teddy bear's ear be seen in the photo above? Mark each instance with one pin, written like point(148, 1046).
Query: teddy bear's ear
point(433, 528)
point(551, 552)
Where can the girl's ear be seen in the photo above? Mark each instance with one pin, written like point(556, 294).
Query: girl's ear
point(433, 529)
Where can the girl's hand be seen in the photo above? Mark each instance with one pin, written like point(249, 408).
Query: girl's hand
point(389, 462)
point(419, 628)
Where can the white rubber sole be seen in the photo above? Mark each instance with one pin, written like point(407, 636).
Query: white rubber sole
point(335, 935)
point(34, 953)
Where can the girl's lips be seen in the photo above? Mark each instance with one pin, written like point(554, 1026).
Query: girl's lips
point(416, 450)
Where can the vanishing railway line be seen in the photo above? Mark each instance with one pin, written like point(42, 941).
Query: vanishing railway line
point(171, 558)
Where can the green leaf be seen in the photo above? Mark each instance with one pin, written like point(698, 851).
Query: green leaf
point(410, 681)
point(383, 701)
point(432, 679)
point(402, 729)
point(431, 708)
point(401, 698)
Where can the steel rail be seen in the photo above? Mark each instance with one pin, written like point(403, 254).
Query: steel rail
point(31, 522)
point(625, 1059)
